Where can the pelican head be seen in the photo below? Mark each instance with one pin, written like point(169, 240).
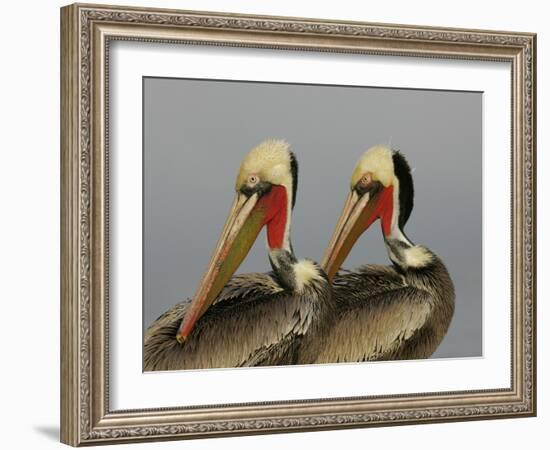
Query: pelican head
point(265, 194)
point(381, 188)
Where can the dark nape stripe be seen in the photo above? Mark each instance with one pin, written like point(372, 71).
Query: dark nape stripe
point(406, 189)
point(294, 173)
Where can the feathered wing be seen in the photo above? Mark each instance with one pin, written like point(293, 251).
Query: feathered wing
point(253, 322)
point(379, 317)
point(370, 278)
point(379, 330)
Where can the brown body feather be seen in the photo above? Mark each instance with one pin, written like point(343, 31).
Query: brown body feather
point(254, 322)
point(388, 314)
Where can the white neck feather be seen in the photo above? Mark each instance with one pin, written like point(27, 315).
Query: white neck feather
point(400, 249)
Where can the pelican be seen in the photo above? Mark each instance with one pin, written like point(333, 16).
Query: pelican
point(393, 312)
point(253, 319)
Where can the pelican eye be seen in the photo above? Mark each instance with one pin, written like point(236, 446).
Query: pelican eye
point(367, 184)
point(253, 180)
point(365, 180)
point(254, 185)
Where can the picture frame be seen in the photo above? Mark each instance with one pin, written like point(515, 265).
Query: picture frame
point(87, 32)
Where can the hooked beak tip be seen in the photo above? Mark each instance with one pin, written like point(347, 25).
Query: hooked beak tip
point(180, 338)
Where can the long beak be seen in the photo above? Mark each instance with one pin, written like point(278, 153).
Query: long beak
point(239, 233)
point(357, 216)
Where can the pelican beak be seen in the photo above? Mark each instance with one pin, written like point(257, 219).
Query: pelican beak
point(241, 229)
point(358, 214)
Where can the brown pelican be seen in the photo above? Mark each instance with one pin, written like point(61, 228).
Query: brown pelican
point(385, 312)
point(253, 319)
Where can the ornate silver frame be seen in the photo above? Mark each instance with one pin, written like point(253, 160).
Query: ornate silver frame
point(86, 31)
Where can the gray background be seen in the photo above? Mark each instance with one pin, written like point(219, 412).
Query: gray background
point(196, 132)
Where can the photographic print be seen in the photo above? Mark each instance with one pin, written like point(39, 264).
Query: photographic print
point(393, 175)
point(266, 222)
